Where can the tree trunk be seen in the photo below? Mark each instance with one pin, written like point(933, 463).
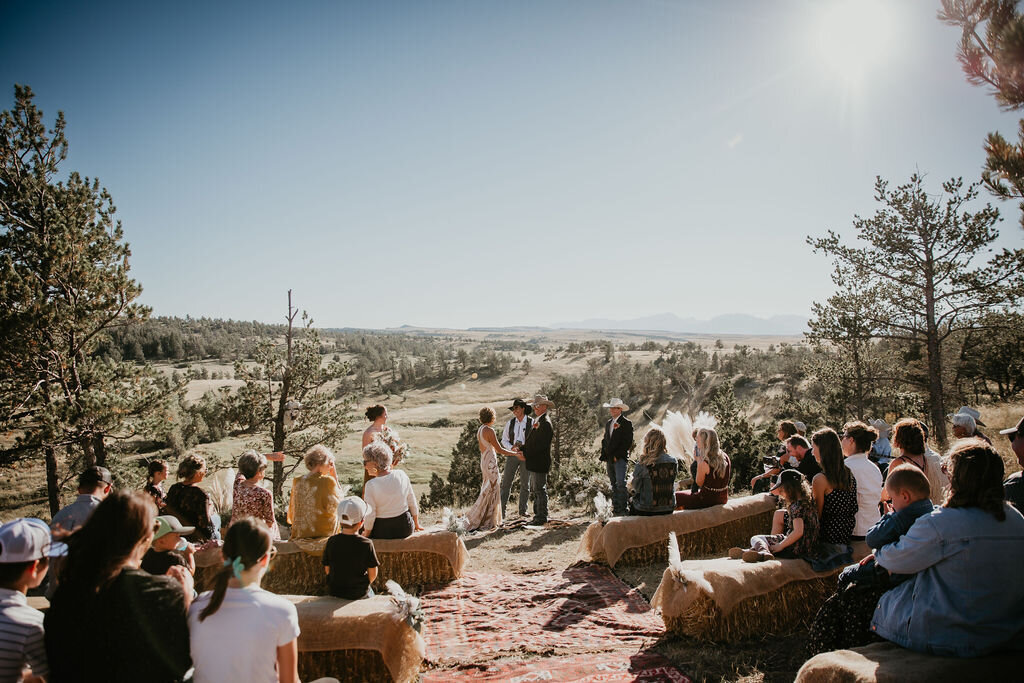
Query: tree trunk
point(936, 401)
point(99, 450)
point(88, 456)
point(52, 493)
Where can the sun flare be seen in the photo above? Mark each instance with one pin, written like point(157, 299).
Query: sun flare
point(853, 38)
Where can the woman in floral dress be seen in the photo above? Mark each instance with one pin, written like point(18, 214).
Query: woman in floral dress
point(380, 431)
point(249, 498)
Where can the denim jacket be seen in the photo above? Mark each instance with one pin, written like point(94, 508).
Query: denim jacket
point(887, 530)
point(966, 598)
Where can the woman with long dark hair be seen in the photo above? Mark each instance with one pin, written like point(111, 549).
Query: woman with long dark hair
point(834, 489)
point(109, 620)
point(238, 631)
point(191, 504)
point(156, 474)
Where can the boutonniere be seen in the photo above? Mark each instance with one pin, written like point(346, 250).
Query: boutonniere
point(615, 426)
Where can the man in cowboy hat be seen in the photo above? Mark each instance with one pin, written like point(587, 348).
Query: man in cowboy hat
point(966, 422)
point(537, 451)
point(513, 437)
point(616, 444)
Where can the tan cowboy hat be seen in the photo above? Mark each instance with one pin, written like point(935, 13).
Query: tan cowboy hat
point(540, 400)
point(616, 403)
point(880, 425)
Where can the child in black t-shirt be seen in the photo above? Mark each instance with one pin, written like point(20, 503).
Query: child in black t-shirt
point(168, 548)
point(349, 558)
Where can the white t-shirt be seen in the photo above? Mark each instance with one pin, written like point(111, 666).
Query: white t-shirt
point(388, 496)
point(239, 641)
point(869, 491)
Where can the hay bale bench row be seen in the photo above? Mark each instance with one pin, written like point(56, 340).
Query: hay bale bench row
point(356, 640)
point(724, 600)
point(435, 557)
point(632, 541)
point(889, 663)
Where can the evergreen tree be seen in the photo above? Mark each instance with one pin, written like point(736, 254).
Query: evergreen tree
point(919, 270)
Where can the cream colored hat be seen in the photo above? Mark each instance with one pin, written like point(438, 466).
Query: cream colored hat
point(969, 411)
point(541, 400)
point(616, 403)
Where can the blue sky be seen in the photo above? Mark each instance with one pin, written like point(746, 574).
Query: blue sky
point(495, 163)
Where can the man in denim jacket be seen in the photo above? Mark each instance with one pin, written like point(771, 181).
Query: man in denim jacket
point(966, 598)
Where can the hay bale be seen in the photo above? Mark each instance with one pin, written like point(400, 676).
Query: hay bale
point(302, 573)
point(736, 532)
point(780, 610)
point(345, 665)
point(889, 663)
point(204, 577)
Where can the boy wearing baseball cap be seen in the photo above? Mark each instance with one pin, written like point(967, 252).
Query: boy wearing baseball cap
point(349, 558)
point(168, 548)
point(25, 549)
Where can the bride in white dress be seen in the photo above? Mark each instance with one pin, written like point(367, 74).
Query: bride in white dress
point(486, 511)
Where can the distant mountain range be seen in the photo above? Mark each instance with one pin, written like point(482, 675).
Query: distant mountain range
point(730, 323)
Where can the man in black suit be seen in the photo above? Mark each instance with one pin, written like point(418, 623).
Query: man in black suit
point(616, 445)
point(537, 451)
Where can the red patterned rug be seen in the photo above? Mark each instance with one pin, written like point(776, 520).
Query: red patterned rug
point(591, 668)
point(582, 609)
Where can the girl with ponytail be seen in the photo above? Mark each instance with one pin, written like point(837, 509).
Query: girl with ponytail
point(231, 626)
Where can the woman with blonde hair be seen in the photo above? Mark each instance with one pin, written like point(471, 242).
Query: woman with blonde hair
point(313, 507)
point(714, 471)
point(654, 477)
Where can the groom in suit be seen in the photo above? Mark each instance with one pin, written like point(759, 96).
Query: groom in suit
point(616, 445)
point(537, 451)
point(517, 429)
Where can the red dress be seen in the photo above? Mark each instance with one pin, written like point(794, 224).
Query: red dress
point(715, 490)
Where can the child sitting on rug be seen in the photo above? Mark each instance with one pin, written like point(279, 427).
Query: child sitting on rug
point(908, 490)
point(349, 558)
point(794, 530)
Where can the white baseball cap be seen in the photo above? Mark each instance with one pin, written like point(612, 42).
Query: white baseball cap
point(27, 539)
point(351, 510)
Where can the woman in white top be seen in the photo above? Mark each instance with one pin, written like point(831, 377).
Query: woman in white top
point(857, 440)
point(393, 510)
point(238, 631)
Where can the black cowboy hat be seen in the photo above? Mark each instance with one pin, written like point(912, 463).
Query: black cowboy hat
point(520, 403)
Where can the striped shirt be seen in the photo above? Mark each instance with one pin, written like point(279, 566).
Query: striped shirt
point(21, 637)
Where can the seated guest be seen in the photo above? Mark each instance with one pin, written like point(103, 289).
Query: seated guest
point(156, 474)
point(25, 549)
point(94, 484)
point(773, 464)
point(799, 457)
point(844, 620)
point(251, 499)
point(909, 438)
point(313, 506)
point(856, 440)
point(191, 504)
point(834, 489)
point(794, 529)
point(1014, 486)
point(966, 422)
point(238, 631)
point(109, 620)
point(881, 449)
point(966, 597)
point(393, 511)
point(169, 548)
point(714, 470)
point(350, 560)
point(654, 477)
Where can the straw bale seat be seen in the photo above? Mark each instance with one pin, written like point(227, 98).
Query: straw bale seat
point(634, 541)
point(723, 600)
point(433, 557)
point(890, 663)
point(356, 640)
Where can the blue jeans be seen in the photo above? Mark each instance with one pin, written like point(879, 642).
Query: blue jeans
point(617, 478)
point(508, 475)
point(539, 483)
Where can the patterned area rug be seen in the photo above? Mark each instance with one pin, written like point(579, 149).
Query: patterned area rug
point(591, 668)
point(582, 609)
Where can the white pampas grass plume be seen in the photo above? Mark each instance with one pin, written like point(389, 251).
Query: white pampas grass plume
point(409, 607)
point(221, 487)
point(453, 523)
point(678, 428)
point(602, 508)
point(705, 421)
point(673, 549)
